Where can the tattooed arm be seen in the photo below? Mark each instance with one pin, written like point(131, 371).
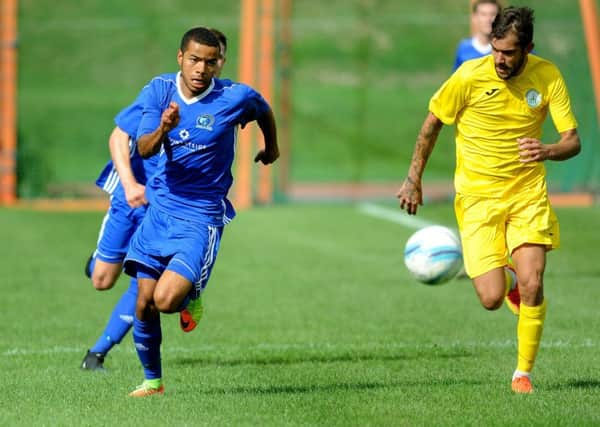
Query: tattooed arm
point(411, 193)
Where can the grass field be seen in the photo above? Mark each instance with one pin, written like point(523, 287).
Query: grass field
point(311, 319)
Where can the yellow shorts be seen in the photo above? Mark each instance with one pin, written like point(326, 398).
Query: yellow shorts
point(491, 228)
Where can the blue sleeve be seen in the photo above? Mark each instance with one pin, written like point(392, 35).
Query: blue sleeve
point(152, 107)
point(460, 53)
point(128, 119)
point(457, 61)
point(254, 106)
point(464, 52)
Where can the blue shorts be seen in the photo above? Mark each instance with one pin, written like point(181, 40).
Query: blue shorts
point(118, 226)
point(164, 242)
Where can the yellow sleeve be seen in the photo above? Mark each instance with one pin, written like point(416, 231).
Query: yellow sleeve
point(560, 105)
point(450, 98)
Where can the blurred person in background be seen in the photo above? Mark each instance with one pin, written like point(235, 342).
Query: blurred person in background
point(192, 119)
point(499, 104)
point(124, 179)
point(483, 13)
point(223, 54)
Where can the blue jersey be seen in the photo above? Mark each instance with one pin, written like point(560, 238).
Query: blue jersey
point(194, 173)
point(128, 120)
point(470, 49)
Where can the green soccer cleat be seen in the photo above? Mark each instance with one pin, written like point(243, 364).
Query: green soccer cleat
point(145, 390)
point(191, 315)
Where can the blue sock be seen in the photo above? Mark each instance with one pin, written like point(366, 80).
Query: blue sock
point(120, 321)
point(147, 337)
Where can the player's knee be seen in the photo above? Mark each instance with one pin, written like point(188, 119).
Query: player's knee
point(491, 302)
point(490, 288)
point(105, 278)
point(105, 274)
point(167, 303)
point(531, 290)
point(103, 282)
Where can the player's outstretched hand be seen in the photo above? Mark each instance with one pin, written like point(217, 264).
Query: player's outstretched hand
point(410, 196)
point(170, 117)
point(267, 156)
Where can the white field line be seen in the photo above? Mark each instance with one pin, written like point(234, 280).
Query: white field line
point(313, 347)
point(393, 215)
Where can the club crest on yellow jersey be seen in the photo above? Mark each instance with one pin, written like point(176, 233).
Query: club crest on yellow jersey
point(533, 98)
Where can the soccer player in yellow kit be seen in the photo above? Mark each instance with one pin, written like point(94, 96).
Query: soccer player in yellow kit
point(498, 104)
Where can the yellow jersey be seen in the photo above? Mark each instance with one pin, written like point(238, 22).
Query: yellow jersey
point(491, 114)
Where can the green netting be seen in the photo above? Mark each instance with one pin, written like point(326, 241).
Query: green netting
point(362, 74)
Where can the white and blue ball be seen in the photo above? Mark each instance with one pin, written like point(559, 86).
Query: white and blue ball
point(433, 255)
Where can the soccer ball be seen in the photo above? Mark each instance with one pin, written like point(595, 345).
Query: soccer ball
point(433, 255)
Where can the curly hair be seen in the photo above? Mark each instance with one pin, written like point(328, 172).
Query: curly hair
point(519, 20)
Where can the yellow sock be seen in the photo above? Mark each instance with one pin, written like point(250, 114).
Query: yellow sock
point(529, 334)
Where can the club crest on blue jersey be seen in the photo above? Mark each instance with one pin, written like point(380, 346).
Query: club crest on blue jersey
point(533, 98)
point(205, 121)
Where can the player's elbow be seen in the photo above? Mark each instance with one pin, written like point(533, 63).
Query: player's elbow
point(576, 147)
point(144, 154)
point(103, 282)
point(144, 148)
point(572, 145)
point(573, 150)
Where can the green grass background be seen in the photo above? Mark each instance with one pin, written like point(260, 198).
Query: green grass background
point(311, 319)
point(362, 75)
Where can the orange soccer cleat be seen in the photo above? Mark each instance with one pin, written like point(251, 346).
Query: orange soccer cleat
point(522, 385)
point(191, 315)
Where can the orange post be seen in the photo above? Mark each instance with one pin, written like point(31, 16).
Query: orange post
point(8, 92)
point(589, 16)
point(285, 96)
point(265, 87)
point(242, 189)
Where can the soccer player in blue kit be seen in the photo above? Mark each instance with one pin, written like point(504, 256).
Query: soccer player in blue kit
point(124, 178)
point(483, 13)
point(191, 119)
